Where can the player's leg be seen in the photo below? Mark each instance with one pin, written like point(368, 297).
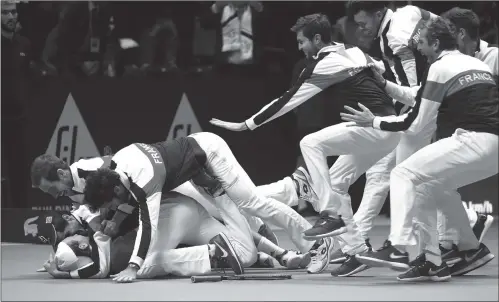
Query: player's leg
point(223, 165)
point(464, 158)
point(256, 224)
point(181, 221)
point(408, 145)
point(375, 193)
point(345, 171)
point(368, 145)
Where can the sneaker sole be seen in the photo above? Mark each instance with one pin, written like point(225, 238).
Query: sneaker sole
point(339, 260)
point(486, 226)
point(425, 278)
point(229, 245)
point(475, 265)
point(375, 262)
point(359, 269)
point(334, 233)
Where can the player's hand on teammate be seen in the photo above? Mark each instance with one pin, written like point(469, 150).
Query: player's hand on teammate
point(126, 276)
point(228, 125)
point(362, 118)
point(378, 75)
point(109, 228)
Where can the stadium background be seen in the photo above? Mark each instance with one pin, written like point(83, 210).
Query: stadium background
point(76, 115)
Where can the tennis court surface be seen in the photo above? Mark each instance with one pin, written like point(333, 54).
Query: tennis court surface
point(20, 281)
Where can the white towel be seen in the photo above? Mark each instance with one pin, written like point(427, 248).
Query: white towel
point(237, 34)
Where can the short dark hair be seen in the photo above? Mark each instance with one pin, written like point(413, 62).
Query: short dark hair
point(99, 187)
point(441, 30)
point(46, 166)
point(465, 19)
point(353, 7)
point(314, 24)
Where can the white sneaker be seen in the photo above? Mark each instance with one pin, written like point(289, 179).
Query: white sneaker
point(294, 260)
point(321, 256)
point(304, 180)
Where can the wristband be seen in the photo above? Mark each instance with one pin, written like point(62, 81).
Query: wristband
point(133, 265)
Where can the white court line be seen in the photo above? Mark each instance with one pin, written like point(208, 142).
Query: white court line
point(9, 243)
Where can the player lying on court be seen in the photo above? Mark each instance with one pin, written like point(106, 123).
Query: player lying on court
point(54, 176)
point(460, 94)
point(185, 159)
point(181, 221)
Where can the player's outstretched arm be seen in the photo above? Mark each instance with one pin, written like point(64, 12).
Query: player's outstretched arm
point(228, 125)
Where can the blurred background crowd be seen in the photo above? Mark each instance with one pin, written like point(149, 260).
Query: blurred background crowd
point(115, 39)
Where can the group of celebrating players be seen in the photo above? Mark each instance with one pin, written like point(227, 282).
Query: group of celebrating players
point(421, 121)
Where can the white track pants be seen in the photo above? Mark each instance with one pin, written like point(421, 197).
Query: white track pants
point(418, 184)
point(359, 148)
point(181, 220)
point(222, 165)
point(188, 189)
point(378, 177)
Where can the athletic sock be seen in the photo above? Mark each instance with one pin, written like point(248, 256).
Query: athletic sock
point(268, 247)
point(211, 249)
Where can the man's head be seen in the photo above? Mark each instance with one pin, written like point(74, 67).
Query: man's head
point(436, 37)
point(367, 15)
point(313, 32)
point(52, 175)
point(104, 187)
point(54, 226)
point(466, 25)
point(9, 16)
point(73, 253)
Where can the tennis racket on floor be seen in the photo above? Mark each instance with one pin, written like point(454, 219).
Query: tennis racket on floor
point(200, 279)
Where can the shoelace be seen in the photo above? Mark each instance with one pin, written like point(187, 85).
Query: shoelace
point(386, 245)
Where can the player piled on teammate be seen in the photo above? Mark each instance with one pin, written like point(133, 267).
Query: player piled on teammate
point(146, 171)
point(343, 74)
point(182, 221)
point(46, 166)
point(460, 94)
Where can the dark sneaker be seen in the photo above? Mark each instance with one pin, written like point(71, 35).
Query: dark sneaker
point(350, 267)
point(386, 256)
point(482, 225)
point(426, 271)
point(266, 232)
point(451, 256)
point(224, 252)
point(418, 261)
point(325, 226)
point(263, 261)
point(338, 257)
point(471, 260)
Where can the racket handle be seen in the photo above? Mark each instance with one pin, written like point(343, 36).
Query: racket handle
point(199, 279)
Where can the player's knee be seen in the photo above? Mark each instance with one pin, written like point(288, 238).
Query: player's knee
point(402, 173)
point(307, 142)
point(249, 258)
